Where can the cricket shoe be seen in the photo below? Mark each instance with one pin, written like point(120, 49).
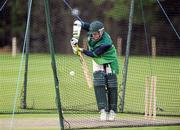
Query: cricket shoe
point(103, 116)
point(111, 115)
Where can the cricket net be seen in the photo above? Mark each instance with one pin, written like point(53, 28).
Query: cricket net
point(152, 90)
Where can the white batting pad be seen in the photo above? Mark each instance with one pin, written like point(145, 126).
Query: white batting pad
point(76, 29)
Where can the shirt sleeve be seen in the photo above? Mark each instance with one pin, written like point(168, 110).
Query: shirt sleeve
point(85, 26)
point(98, 51)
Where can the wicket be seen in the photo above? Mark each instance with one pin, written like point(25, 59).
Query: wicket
point(150, 96)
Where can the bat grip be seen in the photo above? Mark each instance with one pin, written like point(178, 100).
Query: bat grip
point(79, 53)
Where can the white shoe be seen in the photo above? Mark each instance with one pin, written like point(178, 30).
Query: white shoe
point(112, 115)
point(103, 115)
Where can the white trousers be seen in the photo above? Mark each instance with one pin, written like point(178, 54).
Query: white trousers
point(104, 67)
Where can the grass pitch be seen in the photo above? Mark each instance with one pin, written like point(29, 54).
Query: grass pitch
point(76, 98)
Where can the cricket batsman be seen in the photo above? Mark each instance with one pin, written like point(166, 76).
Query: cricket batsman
point(105, 67)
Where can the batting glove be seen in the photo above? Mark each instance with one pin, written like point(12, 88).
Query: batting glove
point(80, 49)
point(74, 42)
point(76, 50)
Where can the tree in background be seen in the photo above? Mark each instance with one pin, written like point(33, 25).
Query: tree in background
point(12, 21)
point(114, 13)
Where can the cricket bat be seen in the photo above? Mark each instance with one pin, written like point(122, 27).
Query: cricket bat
point(76, 34)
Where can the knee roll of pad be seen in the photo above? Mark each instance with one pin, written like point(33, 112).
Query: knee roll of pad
point(112, 80)
point(99, 78)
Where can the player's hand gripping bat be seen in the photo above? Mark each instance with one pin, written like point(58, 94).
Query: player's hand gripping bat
point(76, 34)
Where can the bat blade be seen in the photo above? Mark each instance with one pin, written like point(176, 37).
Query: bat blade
point(86, 71)
point(76, 34)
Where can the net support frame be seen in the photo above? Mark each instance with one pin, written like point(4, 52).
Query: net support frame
point(53, 63)
point(125, 68)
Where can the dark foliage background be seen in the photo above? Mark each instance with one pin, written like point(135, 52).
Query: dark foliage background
point(114, 14)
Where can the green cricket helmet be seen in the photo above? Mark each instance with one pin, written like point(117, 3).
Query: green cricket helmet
point(96, 26)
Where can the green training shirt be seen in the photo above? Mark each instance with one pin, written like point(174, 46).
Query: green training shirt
point(110, 56)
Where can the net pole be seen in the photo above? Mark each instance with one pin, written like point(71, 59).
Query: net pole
point(24, 91)
point(20, 68)
point(125, 68)
point(177, 34)
point(53, 63)
point(1, 8)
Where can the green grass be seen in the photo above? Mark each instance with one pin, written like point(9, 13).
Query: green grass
point(41, 83)
point(74, 91)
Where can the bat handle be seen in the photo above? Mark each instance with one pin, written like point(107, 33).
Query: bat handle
point(78, 52)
